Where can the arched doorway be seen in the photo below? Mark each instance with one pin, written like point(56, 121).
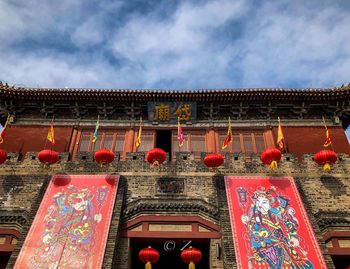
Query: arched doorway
point(170, 235)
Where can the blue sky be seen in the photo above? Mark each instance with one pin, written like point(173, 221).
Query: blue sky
point(175, 44)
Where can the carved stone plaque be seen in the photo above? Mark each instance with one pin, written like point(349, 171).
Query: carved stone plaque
point(170, 186)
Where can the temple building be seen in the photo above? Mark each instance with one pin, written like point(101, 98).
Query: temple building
point(174, 178)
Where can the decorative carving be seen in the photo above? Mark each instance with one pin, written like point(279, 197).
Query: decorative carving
point(170, 186)
point(13, 218)
point(167, 205)
point(327, 219)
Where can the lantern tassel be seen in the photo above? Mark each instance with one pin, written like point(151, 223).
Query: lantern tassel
point(326, 167)
point(191, 265)
point(273, 165)
point(155, 164)
point(148, 265)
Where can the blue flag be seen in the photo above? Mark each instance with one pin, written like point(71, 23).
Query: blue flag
point(94, 137)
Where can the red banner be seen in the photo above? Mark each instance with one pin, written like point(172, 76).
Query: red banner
point(71, 227)
point(269, 224)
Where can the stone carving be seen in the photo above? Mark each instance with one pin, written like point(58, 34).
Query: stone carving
point(170, 186)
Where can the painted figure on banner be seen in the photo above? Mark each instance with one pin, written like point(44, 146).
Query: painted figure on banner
point(271, 230)
point(70, 226)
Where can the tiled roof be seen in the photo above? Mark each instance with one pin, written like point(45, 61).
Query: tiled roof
point(204, 95)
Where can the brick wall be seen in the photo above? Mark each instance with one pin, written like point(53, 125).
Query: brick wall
point(22, 185)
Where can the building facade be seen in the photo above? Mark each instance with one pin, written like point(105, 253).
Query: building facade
point(182, 202)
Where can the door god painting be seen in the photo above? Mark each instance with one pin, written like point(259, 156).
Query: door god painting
point(270, 225)
point(71, 226)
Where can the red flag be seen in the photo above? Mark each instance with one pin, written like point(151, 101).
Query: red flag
point(180, 135)
point(228, 138)
point(328, 138)
point(2, 130)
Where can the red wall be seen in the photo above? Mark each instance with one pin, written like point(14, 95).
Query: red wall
point(302, 140)
point(299, 140)
point(24, 139)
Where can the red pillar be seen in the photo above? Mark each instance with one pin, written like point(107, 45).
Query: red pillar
point(211, 141)
point(129, 141)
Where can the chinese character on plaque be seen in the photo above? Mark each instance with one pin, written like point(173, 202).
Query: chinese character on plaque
point(184, 112)
point(162, 112)
point(170, 112)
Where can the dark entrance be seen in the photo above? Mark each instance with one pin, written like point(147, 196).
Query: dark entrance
point(4, 258)
point(163, 141)
point(169, 250)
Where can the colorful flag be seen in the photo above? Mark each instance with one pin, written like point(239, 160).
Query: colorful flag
point(94, 137)
point(2, 130)
point(228, 138)
point(328, 138)
point(180, 135)
point(138, 139)
point(51, 135)
point(280, 137)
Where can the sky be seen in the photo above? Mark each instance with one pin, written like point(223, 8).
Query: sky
point(175, 44)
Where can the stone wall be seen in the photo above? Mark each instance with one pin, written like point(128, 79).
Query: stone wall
point(325, 195)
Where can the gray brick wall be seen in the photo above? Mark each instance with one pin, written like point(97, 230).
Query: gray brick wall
point(22, 186)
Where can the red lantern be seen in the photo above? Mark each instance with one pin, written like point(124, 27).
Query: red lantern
point(3, 156)
point(213, 160)
point(156, 156)
point(192, 256)
point(61, 180)
point(326, 158)
point(104, 156)
point(48, 156)
point(149, 256)
point(271, 157)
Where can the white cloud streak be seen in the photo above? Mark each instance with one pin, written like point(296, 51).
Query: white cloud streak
point(212, 44)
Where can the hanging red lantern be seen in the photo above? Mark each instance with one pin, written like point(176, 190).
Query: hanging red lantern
point(213, 160)
point(149, 256)
point(104, 156)
point(61, 180)
point(191, 256)
point(3, 156)
point(271, 157)
point(156, 156)
point(326, 158)
point(48, 156)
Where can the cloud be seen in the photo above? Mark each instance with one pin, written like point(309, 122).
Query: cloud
point(183, 44)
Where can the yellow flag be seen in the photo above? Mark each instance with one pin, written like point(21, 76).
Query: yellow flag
point(138, 139)
point(280, 137)
point(228, 138)
point(51, 135)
